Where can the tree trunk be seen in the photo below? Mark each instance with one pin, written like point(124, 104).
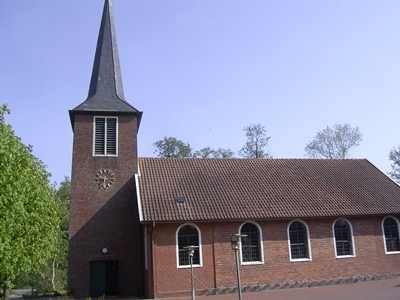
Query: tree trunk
point(6, 292)
point(53, 276)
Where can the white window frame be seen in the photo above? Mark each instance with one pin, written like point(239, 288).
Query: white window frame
point(177, 247)
point(105, 131)
point(308, 242)
point(352, 238)
point(260, 245)
point(384, 237)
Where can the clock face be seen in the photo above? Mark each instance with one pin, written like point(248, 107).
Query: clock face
point(104, 178)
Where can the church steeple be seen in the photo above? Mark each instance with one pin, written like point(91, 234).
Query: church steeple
point(105, 247)
point(105, 90)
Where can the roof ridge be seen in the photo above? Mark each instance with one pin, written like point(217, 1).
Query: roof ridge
point(257, 159)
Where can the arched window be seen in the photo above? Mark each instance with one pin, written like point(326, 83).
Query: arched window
point(391, 235)
point(188, 235)
point(298, 240)
point(251, 245)
point(343, 238)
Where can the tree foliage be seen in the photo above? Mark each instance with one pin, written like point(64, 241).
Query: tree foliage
point(223, 153)
point(210, 152)
point(172, 147)
point(53, 277)
point(204, 152)
point(59, 264)
point(394, 157)
point(334, 142)
point(28, 223)
point(257, 140)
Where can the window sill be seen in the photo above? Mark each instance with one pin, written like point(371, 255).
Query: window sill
point(250, 263)
point(300, 260)
point(345, 256)
point(392, 252)
point(188, 266)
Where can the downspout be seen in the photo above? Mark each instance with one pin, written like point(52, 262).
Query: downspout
point(213, 247)
point(152, 260)
point(139, 204)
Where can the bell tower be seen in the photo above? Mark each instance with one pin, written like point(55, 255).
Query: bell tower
point(104, 232)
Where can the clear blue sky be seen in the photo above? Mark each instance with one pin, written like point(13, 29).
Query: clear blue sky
point(203, 70)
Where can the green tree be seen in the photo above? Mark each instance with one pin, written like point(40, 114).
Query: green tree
point(257, 140)
point(60, 262)
point(223, 153)
point(394, 156)
point(334, 142)
point(172, 147)
point(53, 277)
point(28, 223)
point(210, 152)
point(204, 153)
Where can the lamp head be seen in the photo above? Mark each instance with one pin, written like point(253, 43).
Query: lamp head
point(235, 240)
point(191, 249)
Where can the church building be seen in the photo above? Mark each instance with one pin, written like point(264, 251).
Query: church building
point(305, 222)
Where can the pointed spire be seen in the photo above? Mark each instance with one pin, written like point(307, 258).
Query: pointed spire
point(106, 75)
point(105, 90)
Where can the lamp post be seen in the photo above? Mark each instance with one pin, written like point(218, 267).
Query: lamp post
point(235, 244)
point(191, 254)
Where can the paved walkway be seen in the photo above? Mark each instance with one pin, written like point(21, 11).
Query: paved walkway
point(388, 289)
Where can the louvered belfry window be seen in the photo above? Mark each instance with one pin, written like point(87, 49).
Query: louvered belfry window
point(105, 136)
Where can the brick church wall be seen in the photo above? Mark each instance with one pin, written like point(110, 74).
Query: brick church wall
point(218, 273)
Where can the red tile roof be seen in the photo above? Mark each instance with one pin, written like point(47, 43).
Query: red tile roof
point(251, 189)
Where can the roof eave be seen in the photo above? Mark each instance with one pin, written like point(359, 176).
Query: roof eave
point(73, 112)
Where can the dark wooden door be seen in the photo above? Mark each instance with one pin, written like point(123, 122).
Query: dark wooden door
point(112, 278)
point(104, 278)
point(97, 278)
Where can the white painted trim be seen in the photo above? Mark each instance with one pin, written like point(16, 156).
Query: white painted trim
point(177, 247)
point(105, 132)
point(384, 237)
point(352, 238)
point(260, 245)
point(139, 200)
point(308, 240)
